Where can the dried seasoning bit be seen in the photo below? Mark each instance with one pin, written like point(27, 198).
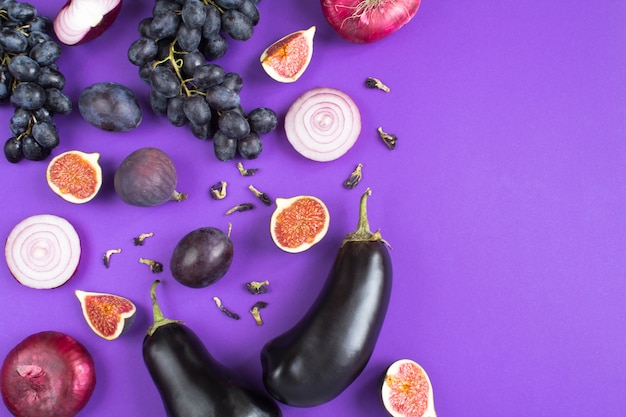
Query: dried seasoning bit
point(372, 82)
point(107, 256)
point(155, 267)
point(240, 207)
point(246, 172)
point(257, 287)
point(389, 139)
point(265, 199)
point(224, 310)
point(256, 311)
point(138, 241)
point(354, 178)
point(218, 190)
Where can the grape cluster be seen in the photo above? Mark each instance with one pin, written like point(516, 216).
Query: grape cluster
point(174, 53)
point(31, 80)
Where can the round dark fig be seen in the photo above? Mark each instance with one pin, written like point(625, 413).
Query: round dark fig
point(146, 178)
point(202, 257)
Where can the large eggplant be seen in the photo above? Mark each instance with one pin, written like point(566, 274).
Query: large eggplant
point(190, 381)
point(319, 357)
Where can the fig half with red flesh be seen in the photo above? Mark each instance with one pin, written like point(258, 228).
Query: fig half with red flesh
point(286, 59)
point(108, 315)
point(407, 391)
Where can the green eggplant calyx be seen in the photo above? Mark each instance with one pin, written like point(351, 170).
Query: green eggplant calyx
point(159, 319)
point(363, 233)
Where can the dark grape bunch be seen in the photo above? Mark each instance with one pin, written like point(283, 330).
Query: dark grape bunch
point(174, 53)
point(30, 79)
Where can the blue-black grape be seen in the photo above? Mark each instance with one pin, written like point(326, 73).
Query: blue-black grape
point(237, 25)
point(262, 120)
point(250, 10)
point(202, 131)
point(28, 95)
point(214, 48)
point(37, 37)
point(21, 12)
point(191, 61)
point(225, 148)
point(164, 24)
point(176, 112)
point(228, 4)
point(233, 124)
point(45, 133)
point(142, 50)
point(188, 39)
point(24, 68)
point(40, 23)
point(45, 53)
point(221, 98)
point(208, 75)
point(57, 102)
point(197, 110)
point(158, 103)
point(233, 81)
point(5, 83)
point(20, 121)
point(13, 150)
point(212, 22)
point(32, 150)
point(51, 78)
point(193, 14)
point(165, 81)
point(164, 6)
point(13, 41)
point(250, 147)
point(110, 106)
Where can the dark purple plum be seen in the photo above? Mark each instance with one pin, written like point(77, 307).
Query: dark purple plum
point(147, 177)
point(110, 106)
point(202, 257)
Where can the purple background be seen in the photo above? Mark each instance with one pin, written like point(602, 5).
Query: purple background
point(503, 201)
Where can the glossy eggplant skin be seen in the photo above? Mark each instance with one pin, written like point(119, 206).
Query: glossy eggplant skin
point(320, 356)
point(192, 383)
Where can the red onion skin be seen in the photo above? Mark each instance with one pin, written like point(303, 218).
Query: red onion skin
point(48, 374)
point(381, 19)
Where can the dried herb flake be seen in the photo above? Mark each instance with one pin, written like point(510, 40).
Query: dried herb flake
point(265, 199)
point(257, 287)
point(218, 190)
point(372, 82)
point(224, 310)
point(138, 241)
point(106, 259)
point(388, 138)
point(246, 172)
point(155, 266)
point(354, 178)
point(240, 207)
point(256, 313)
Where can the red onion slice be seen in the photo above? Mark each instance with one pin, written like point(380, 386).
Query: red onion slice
point(43, 251)
point(323, 124)
point(80, 21)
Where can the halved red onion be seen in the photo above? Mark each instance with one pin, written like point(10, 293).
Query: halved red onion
point(43, 251)
point(80, 21)
point(323, 124)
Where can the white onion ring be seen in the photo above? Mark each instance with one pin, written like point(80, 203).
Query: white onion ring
point(43, 251)
point(323, 124)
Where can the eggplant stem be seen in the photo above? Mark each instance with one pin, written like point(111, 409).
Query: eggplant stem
point(363, 231)
point(159, 318)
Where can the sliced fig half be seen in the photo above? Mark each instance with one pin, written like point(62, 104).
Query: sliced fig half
point(286, 59)
point(299, 222)
point(75, 176)
point(108, 315)
point(407, 391)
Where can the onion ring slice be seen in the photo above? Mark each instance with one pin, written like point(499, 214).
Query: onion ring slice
point(323, 124)
point(43, 251)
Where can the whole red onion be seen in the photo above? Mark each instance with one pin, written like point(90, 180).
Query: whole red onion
point(48, 374)
point(366, 21)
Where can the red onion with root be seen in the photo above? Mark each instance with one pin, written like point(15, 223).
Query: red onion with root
point(366, 21)
point(48, 374)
